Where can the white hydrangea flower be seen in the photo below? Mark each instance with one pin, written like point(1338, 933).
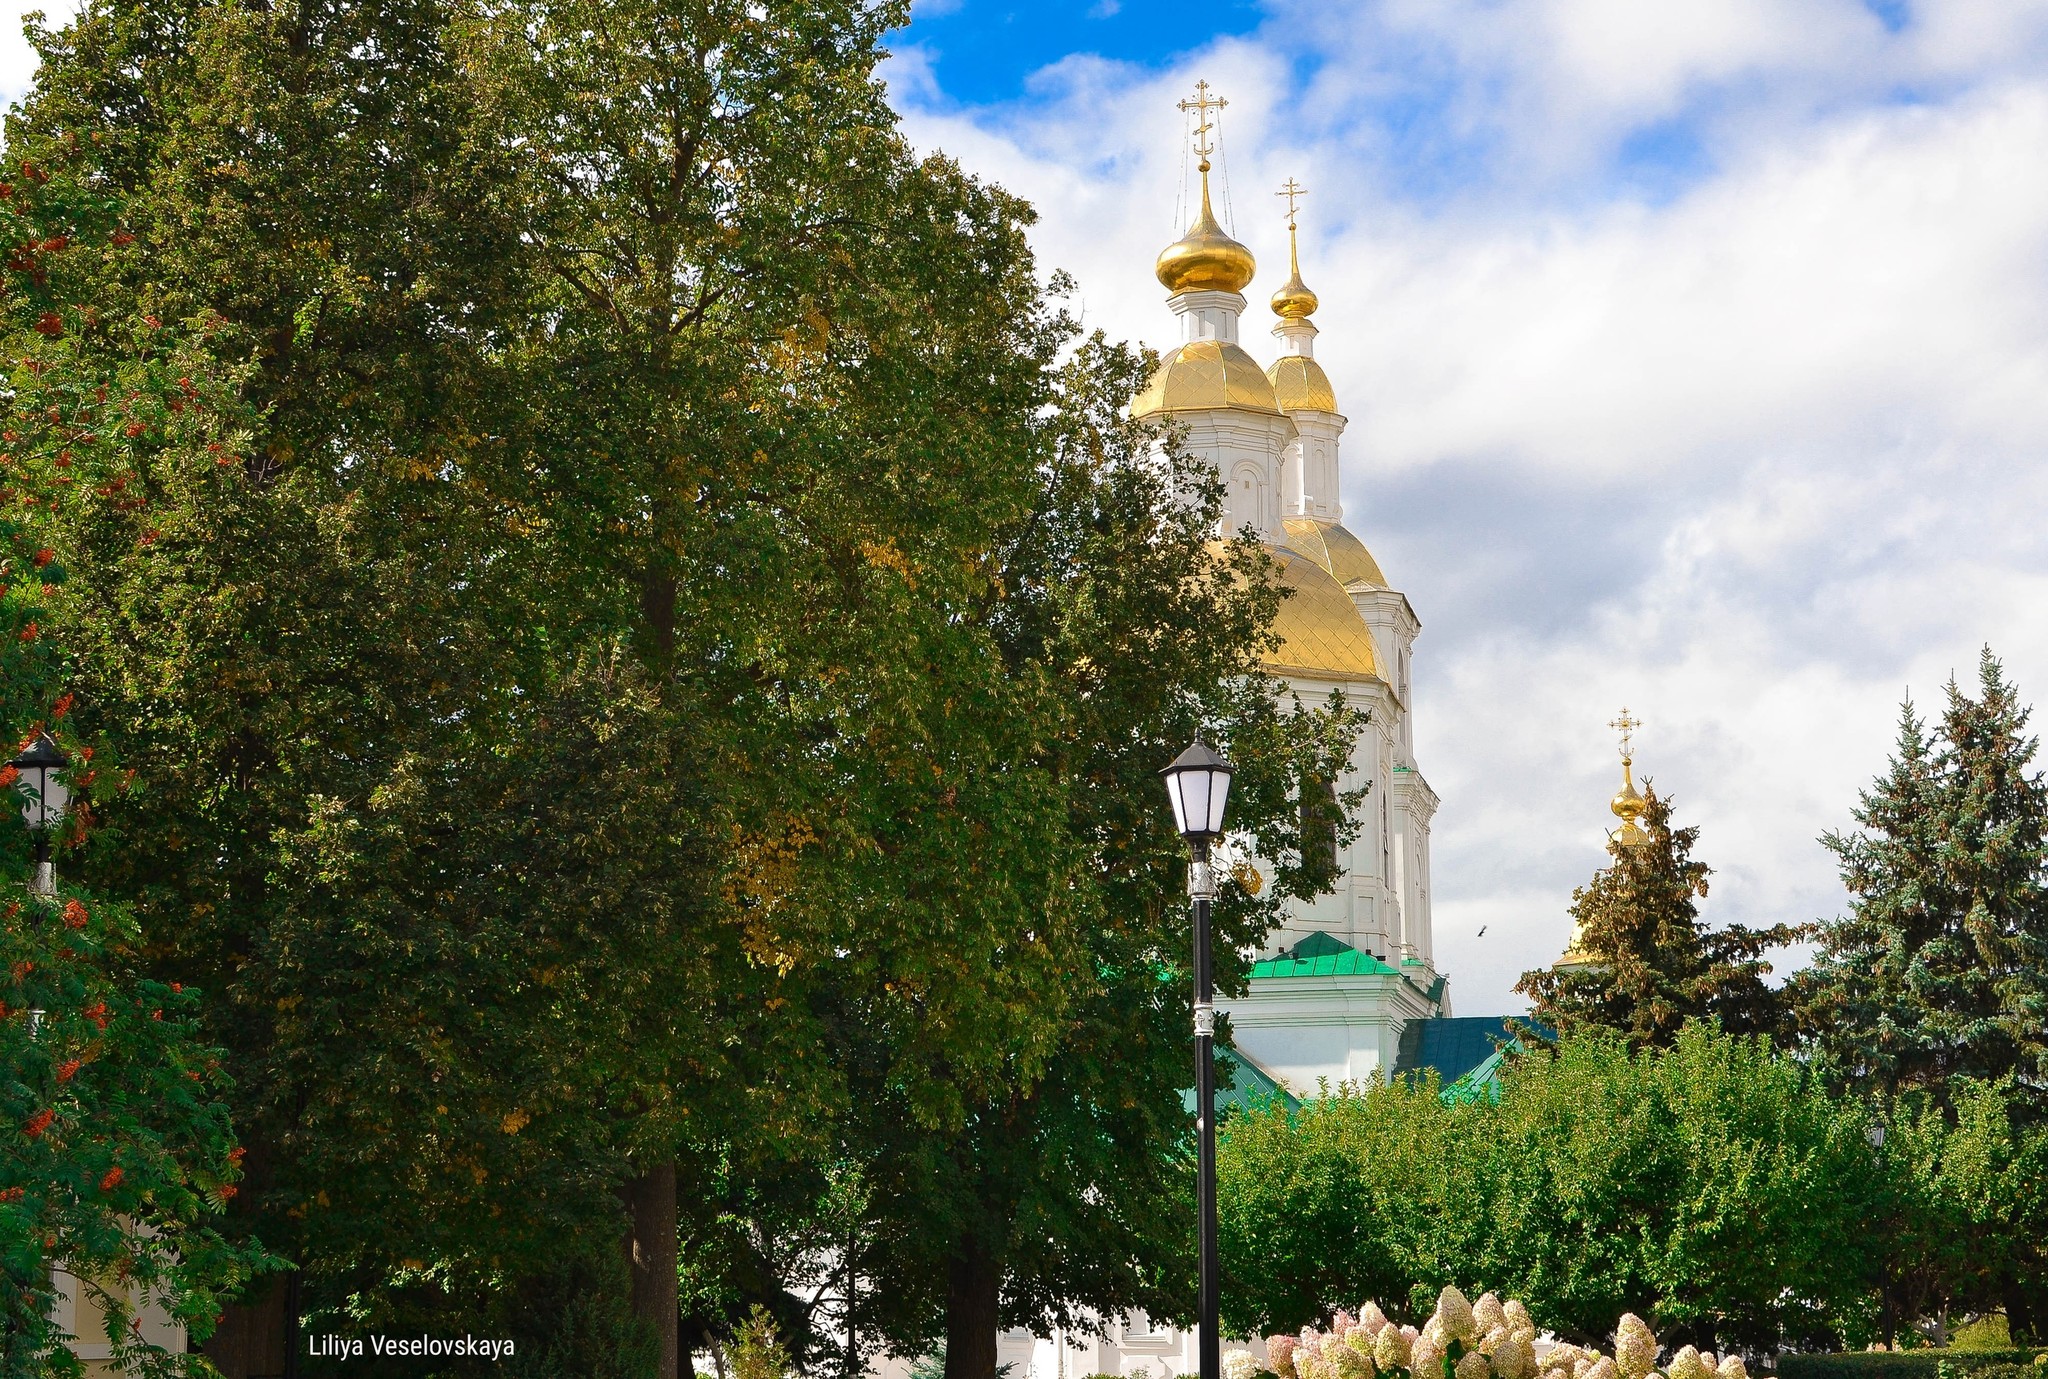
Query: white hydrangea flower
point(1473, 1366)
point(1518, 1315)
point(1455, 1312)
point(1686, 1364)
point(1707, 1359)
point(1732, 1368)
point(1514, 1359)
point(1601, 1368)
point(1390, 1348)
point(1488, 1313)
point(1240, 1364)
point(1426, 1356)
point(1635, 1347)
point(1372, 1319)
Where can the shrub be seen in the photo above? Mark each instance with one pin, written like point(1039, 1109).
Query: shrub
point(1913, 1364)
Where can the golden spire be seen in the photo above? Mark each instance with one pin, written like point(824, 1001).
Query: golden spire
point(1293, 302)
point(1628, 804)
point(1205, 259)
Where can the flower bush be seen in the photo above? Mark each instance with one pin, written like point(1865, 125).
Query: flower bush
point(1486, 1339)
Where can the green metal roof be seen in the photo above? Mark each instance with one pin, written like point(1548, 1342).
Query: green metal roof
point(1465, 1052)
point(1248, 1085)
point(1322, 955)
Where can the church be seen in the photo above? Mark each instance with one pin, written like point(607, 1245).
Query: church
point(1348, 987)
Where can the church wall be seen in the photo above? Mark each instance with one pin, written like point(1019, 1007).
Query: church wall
point(1247, 449)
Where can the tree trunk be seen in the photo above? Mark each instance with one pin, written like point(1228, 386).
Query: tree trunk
point(2020, 1322)
point(651, 1260)
point(255, 1337)
point(973, 1287)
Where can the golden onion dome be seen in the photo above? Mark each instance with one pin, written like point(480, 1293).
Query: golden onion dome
point(1205, 374)
point(1322, 636)
point(1628, 805)
point(1205, 259)
point(1332, 546)
point(1294, 301)
point(1301, 385)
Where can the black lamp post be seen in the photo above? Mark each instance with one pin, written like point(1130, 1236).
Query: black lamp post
point(1198, 782)
point(44, 799)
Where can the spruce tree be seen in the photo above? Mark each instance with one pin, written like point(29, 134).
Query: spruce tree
point(1940, 968)
point(1655, 965)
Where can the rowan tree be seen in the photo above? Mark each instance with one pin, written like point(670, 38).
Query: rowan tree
point(117, 1157)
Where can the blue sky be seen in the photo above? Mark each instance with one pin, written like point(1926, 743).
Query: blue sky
point(987, 51)
point(1695, 356)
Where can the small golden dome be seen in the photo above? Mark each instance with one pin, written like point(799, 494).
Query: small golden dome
point(1332, 546)
point(1628, 806)
point(1301, 385)
point(1294, 301)
point(1205, 259)
point(1205, 374)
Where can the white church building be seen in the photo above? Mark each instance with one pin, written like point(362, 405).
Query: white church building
point(1348, 986)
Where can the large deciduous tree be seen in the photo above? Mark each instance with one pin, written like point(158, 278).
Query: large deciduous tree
point(672, 663)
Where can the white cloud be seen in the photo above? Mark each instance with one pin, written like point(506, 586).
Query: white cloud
point(1753, 458)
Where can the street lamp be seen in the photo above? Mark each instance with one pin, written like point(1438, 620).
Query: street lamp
point(44, 799)
point(1198, 782)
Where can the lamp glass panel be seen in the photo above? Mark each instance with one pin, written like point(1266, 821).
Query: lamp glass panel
point(1195, 791)
point(56, 800)
point(44, 798)
point(29, 785)
point(1180, 808)
point(1218, 792)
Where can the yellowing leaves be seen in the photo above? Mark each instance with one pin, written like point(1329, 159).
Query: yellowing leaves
point(762, 877)
point(883, 555)
point(515, 1121)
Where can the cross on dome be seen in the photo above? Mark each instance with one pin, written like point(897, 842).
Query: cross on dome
point(1202, 104)
point(1628, 804)
point(1205, 259)
point(1293, 191)
point(1626, 726)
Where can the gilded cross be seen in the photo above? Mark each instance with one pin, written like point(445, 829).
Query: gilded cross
point(1293, 191)
point(1202, 104)
point(1626, 726)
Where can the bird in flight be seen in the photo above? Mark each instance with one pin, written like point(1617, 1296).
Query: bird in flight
point(1482, 931)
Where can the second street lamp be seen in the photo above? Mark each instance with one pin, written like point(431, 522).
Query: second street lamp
point(1198, 782)
point(44, 799)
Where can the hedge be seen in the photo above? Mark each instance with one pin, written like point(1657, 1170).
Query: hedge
point(1914, 1364)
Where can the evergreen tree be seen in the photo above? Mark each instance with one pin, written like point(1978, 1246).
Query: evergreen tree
point(1940, 969)
point(1654, 964)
